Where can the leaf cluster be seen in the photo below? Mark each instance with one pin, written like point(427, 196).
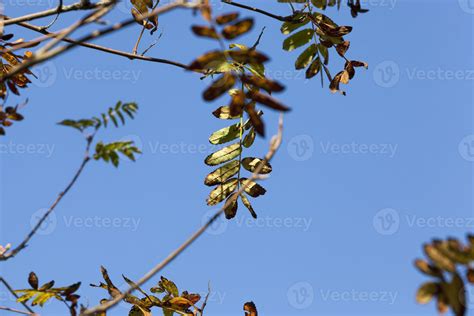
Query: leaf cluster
point(445, 261)
point(165, 295)
point(40, 295)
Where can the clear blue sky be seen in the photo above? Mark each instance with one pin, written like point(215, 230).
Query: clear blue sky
point(360, 184)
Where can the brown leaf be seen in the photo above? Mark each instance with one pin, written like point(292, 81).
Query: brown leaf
point(219, 87)
point(263, 83)
point(227, 18)
point(255, 119)
point(204, 31)
point(342, 48)
point(237, 29)
point(267, 101)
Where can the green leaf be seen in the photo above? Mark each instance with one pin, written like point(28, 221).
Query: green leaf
point(290, 26)
point(226, 134)
point(223, 155)
point(249, 138)
point(222, 191)
point(223, 173)
point(306, 57)
point(298, 39)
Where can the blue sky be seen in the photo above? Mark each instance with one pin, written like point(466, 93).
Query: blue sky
point(360, 183)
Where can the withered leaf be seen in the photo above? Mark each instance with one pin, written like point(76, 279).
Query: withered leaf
point(231, 206)
point(219, 87)
point(204, 31)
point(267, 101)
point(247, 204)
point(262, 83)
point(223, 155)
point(237, 29)
point(252, 188)
point(227, 18)
point(251, 164)
point(255, 119)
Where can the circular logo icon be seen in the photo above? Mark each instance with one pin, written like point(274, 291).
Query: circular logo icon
point(46, 74)
point(467, 6)
point(301, 147)
point(386, 221)
point(387, 74)
point(466, 148)
point(300, 295)
point(218, 227)
point(48, 226)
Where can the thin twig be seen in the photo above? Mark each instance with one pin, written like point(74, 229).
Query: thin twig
point(275, 143)
point(30, 235)
point(36, 59)
point(60, 5)
point(11, 290)
point(274, 16)
point(101, 48)
point(72, 7)
point(135, 48)
point(8, 309)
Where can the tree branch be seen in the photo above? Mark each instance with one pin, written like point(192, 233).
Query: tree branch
point(30, 235)
point(275, 143)
point(8, 309)
point(36, 59)
point(10, 289)
point(102, 48)
point(72, 7)
point(274, 16)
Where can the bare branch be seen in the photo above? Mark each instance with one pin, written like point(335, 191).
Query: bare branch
point(100, 48)
point(274, 16)
point(30, 235)
point(275, 143)
point(10, 289)
point(36, 59)
point(8, 309)
point(72, 7)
